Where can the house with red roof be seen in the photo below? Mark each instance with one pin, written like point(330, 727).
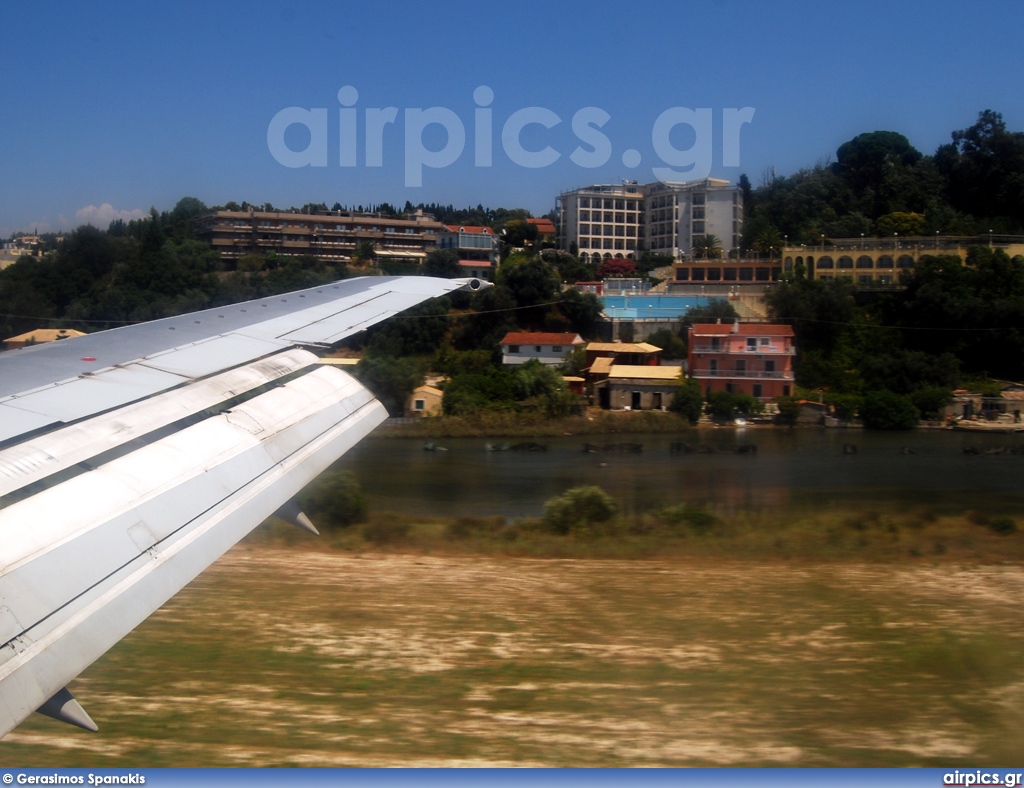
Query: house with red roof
point(743, 358)
point(518, 347)
point(476, 246)
point(545, 229)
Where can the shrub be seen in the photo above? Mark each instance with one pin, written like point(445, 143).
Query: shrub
point(687, 401)
point(789, 410)
point(884, 410)
point(721, 404)
point(382, 532)
point(845, 407)
point(1002, 525)
point(697, 518)
point(579, 508)
point(335, 500)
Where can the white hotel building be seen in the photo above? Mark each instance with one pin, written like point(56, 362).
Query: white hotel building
point(625, 220)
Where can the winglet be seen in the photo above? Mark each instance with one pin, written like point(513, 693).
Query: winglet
point(65, 708)
point(291, 513)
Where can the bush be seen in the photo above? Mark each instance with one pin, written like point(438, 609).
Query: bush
point(725, 405)
point(884, 410)
point(697, 518)
point(335, 500)
point(670, 343)
point(1002, 525)
point(687, 401)
point(382, 532)
point(789, 410)
point(579, 508)
point(845, 407)
point(930, 400)
point(721, 404)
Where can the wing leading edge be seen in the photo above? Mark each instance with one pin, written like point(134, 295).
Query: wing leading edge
point(144, 458)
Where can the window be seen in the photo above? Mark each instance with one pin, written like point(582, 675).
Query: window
point(751, 343)
point(419, 404)
point(513, 348)
point(765, 341)
point(698, 228)
point(757, 390)
point(536, 348)
point(556, 348)
point(769, 366)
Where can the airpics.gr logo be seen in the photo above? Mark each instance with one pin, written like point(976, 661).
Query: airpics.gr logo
point(595, 150)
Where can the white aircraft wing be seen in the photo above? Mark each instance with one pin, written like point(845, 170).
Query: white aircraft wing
point(131, 459)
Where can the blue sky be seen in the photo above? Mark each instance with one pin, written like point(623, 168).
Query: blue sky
point(111, 108)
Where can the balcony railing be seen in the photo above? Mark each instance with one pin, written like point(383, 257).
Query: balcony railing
point(773, 350)
point(743, 373)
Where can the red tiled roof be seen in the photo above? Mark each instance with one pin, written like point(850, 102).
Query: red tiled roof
point(539, 338)
point(743, 330)
point(469, 228)
point(543, 225)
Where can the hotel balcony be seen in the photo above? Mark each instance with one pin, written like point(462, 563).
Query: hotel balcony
point(772, 350)
point(753, 374)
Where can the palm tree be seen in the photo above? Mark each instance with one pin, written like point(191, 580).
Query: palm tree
point(365, 252)
point(769, 240)
point(706, 246)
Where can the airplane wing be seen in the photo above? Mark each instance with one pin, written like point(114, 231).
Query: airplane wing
point(131, 459)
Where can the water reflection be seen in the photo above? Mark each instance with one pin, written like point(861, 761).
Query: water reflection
point(792, 468)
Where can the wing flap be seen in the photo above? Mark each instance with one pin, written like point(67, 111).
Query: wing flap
point(74, 610)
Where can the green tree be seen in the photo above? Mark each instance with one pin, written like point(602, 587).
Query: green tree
point(365, 253)
point(334, 500)
point(531, 283)
point(687, 401)
point(872, 164)
point(672, 347)
point(715, 309)
point(884, 410)
point(579, 509)
point(769, 242)
point(706, 246)
point(519, 233)
point(984, 167)
point(443, 263)
point(902, 223)
point(390, 379)
point(581, 310)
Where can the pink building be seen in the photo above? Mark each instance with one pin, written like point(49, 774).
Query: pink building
point(743, 358)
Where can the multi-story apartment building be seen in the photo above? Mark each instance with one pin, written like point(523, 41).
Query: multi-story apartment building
point(331, 236)
point(677, 213)
point(625, 220)
point(476, 246)
point(743, 358)
point(602, 221)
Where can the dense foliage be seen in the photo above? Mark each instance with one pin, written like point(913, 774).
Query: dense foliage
point(880, 185)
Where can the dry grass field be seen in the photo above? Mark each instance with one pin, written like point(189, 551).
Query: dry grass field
point(296, 656)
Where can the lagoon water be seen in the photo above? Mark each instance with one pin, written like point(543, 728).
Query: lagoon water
point(792, 468)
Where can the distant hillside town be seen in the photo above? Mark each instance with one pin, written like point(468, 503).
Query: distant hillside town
point(885, 285)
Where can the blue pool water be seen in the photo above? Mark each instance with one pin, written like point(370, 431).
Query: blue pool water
point(654, 306)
